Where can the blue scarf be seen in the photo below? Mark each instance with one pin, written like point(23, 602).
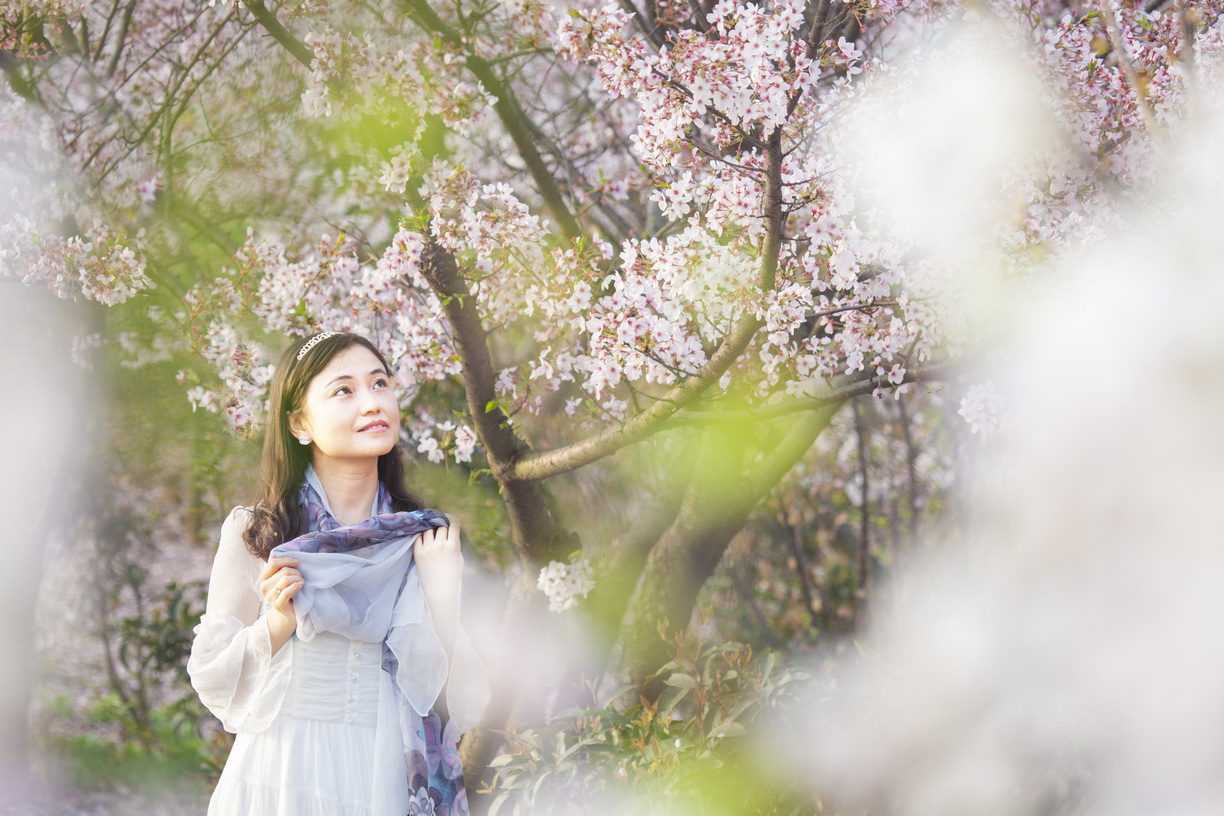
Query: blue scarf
point(357, 596)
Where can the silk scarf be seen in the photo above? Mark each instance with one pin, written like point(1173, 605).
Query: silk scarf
point(361, 583)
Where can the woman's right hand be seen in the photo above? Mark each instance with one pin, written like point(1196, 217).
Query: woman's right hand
point(278, 582)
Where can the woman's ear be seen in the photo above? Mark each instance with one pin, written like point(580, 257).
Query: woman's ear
point(296, 426)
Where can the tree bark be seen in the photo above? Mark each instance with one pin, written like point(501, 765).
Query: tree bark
point(716, 506)
point(535, 535)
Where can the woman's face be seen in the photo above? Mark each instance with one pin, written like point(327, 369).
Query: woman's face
point(349, 409)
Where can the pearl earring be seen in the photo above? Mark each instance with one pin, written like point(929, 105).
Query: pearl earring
point(304, 439)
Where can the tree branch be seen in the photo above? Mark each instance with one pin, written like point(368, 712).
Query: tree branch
point(834, 396)
point(300, 51)
point(535, 535)
point(124, 22)
point(593, 448)
point(597, 446)
point(510, 114)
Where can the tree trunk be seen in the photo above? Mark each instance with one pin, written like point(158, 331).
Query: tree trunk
point(716, 506)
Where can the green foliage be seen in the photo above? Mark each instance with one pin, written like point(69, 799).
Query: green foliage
point(690, 751)
point(156, 644)
point(154, 732)
point(157, 639)
point(171, 755)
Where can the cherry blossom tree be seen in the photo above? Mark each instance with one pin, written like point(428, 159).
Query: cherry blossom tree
point(574, 228)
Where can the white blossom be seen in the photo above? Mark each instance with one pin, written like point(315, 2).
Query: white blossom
point(566, 584)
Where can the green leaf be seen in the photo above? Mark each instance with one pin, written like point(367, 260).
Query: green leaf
point(670, 698)
point(498, 801)
point(743, 706)
point(620, 692)
point(681, 681)
point(727, 729)
point(571, 713)
point(767, 665)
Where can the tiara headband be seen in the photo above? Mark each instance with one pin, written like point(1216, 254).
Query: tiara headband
point(314, 341)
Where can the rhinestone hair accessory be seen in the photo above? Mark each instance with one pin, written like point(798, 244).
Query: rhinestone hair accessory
point(314, 341)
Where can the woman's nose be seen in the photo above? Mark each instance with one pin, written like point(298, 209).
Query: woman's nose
point(369, 402)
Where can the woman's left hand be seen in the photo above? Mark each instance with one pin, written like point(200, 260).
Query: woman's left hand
point(439, 562)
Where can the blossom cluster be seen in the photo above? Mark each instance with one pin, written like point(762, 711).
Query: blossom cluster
point(565, 584)
point(657, 141)
point(101, 264)
point(983, 408)
point(244, 373)
point(746, 74)
point(437, 440)
point(394, 78)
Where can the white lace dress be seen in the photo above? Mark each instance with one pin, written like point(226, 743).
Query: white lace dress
point(318, 728)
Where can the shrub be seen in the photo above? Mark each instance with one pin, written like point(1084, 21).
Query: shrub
point(690, 751)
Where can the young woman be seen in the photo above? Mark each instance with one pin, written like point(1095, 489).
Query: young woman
point(330, 643)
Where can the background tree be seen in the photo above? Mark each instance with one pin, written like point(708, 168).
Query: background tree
point(603, 245)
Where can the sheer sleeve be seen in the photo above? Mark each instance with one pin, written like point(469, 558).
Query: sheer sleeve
point(231, 665)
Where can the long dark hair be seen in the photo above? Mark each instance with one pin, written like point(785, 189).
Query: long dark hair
point(277, 515)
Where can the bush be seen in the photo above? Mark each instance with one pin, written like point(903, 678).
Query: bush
point(688, 752)
point(172, 757)
point(148, 733)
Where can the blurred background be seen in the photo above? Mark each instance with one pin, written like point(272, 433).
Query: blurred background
point(830, 392)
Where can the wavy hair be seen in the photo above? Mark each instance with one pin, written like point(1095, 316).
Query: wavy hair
point(277, 516)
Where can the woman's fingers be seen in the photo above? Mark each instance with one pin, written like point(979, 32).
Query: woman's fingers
point(285, 594)
point(279, 581)
point(275, 564)
point(440, 538)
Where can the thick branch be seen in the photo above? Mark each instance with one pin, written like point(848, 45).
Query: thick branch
point(621, 566)
point(501, 443)
point(593, 448)
point(121, 40)
point(716, 507)
point(521, 623)
point(300, 51)
point(535, 535)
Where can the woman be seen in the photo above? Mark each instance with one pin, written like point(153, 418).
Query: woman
point(330, 643)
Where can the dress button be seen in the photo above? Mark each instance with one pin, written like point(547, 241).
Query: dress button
point(352, 678)
point(349, 720)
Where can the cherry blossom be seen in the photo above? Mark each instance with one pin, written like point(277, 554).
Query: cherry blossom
point(565, 584)
point(983, 408)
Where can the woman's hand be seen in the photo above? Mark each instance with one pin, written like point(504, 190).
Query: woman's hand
point(278, 582)
point(439, 562)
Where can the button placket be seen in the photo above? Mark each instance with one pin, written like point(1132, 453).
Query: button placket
point(354, 680)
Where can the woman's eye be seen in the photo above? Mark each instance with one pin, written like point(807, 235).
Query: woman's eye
point(380, 383)
point(344, 389)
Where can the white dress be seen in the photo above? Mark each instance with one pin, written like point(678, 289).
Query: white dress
point(317, 724)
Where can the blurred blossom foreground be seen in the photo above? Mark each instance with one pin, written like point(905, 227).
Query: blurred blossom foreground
point(1065, 655)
